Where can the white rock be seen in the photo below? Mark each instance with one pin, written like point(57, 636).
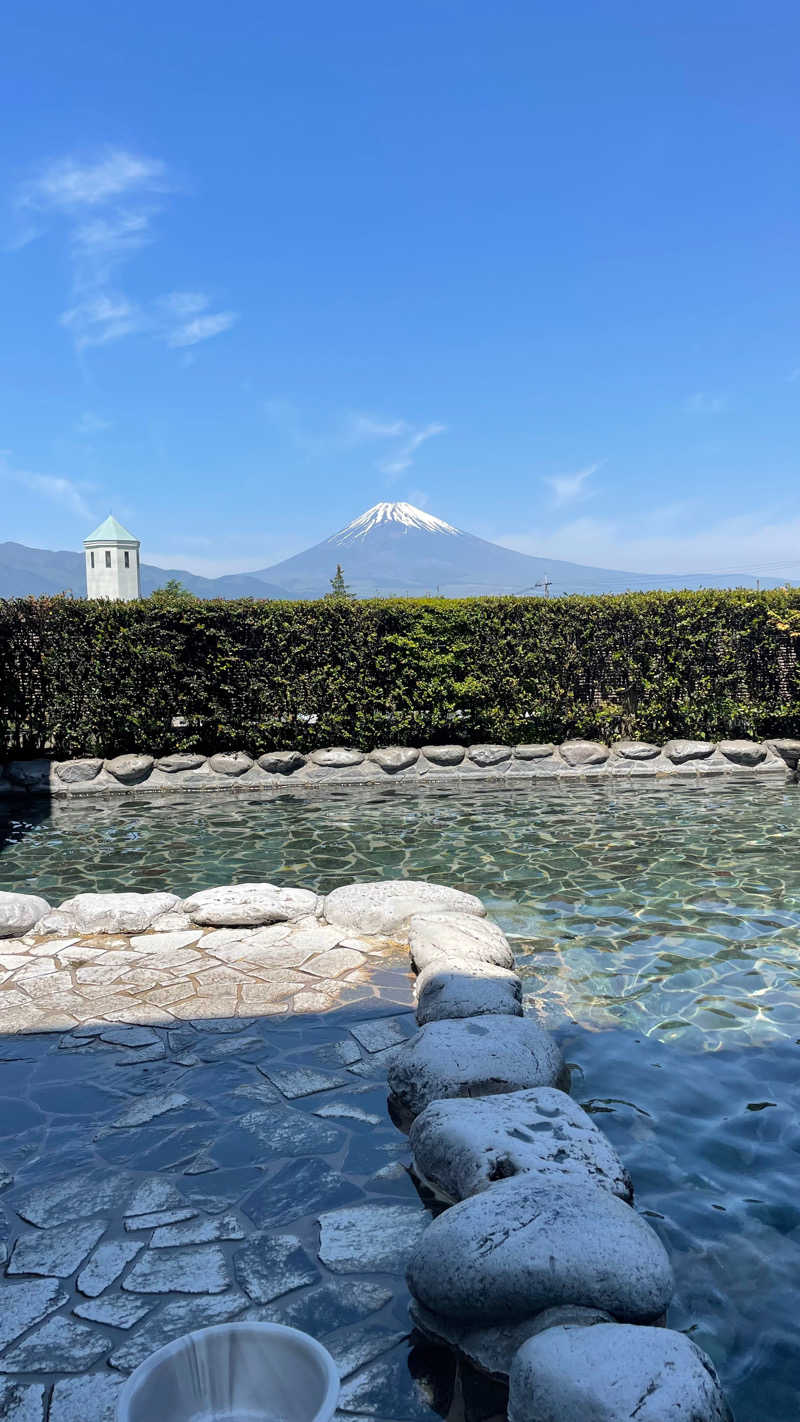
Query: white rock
point(24, 1304)
point(457, 937)
point(19, 913)
point(21, 1401)
point(248, 905)
point(198, 1270)
point(610, 1372)
point(106, 1265)
point(386, 905)
point(447, 990)
point(472, 1058)
point(523, 1246)
point(57, 1252)
point(492, 1348)
point(92, 1396)
point(107, 913)
point(462, 1147)
point(233, 763)
point(371, 1238)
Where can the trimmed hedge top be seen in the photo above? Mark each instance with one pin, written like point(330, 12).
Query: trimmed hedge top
point(98, 678)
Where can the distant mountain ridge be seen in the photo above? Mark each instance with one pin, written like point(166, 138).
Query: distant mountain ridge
point(390, 549)
point(38, 572)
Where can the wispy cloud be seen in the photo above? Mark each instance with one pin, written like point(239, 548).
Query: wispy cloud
point(704, 403)
point(569, 487)
point(401, 459)
point(405, 439)
point(201, 328)
point(674, 538)
point(91, 424)
point(107, 208)
point(64, 492)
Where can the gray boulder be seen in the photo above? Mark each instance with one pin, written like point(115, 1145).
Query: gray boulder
point(337, 757)
point(19, 912)
point(181, 760)
point(492, 1348)
point(384, 906)
point(457, 938)
point(248, 905)
point(524, 1246)
point(30, 774)
point(635, 750)
point(72, 772)
point(679, 752)
point(233, 763)
point(447, 990)
point(107, 913)
point(610, 1372)
point(484, 756)
point(462, 1147)
point(534, 751)
point(579, 753)
point(281, 762)
point(130, 769)
point(393, 759)
point(746, 753)
point(473, 1057)
point(444, 755)
point(787, 748)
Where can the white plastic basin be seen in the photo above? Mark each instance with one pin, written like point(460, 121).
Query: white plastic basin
point(234, 1372)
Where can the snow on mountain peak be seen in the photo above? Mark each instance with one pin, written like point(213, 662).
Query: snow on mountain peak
point(405, 514)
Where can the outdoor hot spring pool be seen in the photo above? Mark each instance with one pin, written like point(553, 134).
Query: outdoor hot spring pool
point(659, 931)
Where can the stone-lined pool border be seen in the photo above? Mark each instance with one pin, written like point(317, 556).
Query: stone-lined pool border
point(342, 766)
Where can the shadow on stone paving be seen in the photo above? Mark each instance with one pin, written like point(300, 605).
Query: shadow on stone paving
point(155, 1180)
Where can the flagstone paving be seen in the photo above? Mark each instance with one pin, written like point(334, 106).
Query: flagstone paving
point(177, 1129)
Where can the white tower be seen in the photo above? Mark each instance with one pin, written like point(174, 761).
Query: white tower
point(112, 562)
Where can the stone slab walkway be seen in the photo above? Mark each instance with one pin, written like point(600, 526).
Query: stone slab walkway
point(192, 1131)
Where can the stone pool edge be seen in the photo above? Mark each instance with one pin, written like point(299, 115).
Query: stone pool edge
point(340, 767)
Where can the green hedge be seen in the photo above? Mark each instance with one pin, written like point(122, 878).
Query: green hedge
point(97, 678)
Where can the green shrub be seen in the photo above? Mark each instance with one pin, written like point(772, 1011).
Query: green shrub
point(97, 678)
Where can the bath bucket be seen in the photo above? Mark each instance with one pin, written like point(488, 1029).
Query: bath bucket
point(234, 1372)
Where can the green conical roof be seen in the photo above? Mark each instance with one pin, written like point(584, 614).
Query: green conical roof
point(110, 531)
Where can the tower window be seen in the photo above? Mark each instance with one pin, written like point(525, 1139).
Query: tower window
point(91, 555)
point(127, 560)
point(108, 558)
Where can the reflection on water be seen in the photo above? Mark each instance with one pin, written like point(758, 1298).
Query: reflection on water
point(657, 928)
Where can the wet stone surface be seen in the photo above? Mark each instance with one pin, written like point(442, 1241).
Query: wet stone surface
point(162, 1176)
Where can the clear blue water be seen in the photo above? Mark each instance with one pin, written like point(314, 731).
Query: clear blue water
point(658, 929)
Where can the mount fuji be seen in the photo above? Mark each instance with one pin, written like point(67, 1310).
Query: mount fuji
point(395, 548)
point(391, 549)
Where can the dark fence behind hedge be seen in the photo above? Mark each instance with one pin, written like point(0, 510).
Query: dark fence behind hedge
point(97, 678)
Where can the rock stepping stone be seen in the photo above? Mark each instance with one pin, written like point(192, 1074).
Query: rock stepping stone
point(492, 1348)
point(248, 905)
point(19, 913)
point(58, 1252)
point(457, 938)
point(462, 1147)
point(106, 1265)
point(614, 1373)
point(524, 1246)
point(107, 913)
point(447, 990)
point(59, 1345)
point(26, 1303)
point(92, 1396)
point(385, 906)
point(21, 1401)
point(471, 1058)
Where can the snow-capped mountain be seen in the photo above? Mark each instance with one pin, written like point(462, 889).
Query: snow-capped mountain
point(397, 548)
point(404, 514)
point(392, 548)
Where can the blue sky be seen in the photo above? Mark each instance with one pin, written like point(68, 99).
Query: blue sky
point(531, 266)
